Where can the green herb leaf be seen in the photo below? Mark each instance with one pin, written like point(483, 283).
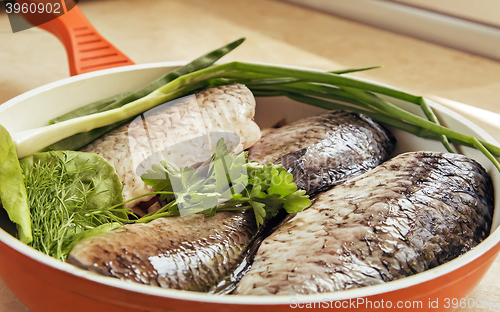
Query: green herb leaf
point(69, 193)
point(229, 184)
point(161, 177)
point(259, 211)
point(296, 201)
point(13, 196)
point(281, 183)
point(272, 204)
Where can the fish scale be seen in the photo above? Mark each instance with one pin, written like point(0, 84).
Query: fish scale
point(198, 253)
point(193, 254)
point(412, 213)
point(325, 150)
point(176, 128)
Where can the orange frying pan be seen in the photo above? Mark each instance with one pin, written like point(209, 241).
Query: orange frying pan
point(87, 50)
point(46, 284)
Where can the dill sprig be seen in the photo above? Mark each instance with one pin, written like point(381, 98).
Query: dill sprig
point(60, 202)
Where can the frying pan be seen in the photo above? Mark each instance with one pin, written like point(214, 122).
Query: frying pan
point(45, 284)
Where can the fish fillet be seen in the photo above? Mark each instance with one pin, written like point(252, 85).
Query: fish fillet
point(180, 130)
point(412, 213)
point(325, 150)
point(190, 253)
point(193, 252)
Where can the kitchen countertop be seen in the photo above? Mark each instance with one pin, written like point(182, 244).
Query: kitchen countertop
point(276, 32)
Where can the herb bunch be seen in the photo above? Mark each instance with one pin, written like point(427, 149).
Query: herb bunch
point(66, 200)
point(227, 183)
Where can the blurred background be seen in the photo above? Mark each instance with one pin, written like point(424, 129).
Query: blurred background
point(470, 26)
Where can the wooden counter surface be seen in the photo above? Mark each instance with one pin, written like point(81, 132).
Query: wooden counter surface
point(172, 30)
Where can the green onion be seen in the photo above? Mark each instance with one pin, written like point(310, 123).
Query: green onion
point(79, 140)
point(330, 90)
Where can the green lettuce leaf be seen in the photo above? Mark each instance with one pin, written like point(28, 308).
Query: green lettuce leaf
point(12, 190)
point(71, 195)
point(95, 174)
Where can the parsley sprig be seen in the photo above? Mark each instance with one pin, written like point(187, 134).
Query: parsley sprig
point(228, 182)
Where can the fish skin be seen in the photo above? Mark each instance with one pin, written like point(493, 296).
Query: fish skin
point(228, 108)
point(131, 253)
point(325, 150)
point(192, 252)
point(412, 213)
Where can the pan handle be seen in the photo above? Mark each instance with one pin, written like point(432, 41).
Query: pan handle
point(87, 50)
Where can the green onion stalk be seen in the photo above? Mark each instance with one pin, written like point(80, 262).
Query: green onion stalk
point(329, 90)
